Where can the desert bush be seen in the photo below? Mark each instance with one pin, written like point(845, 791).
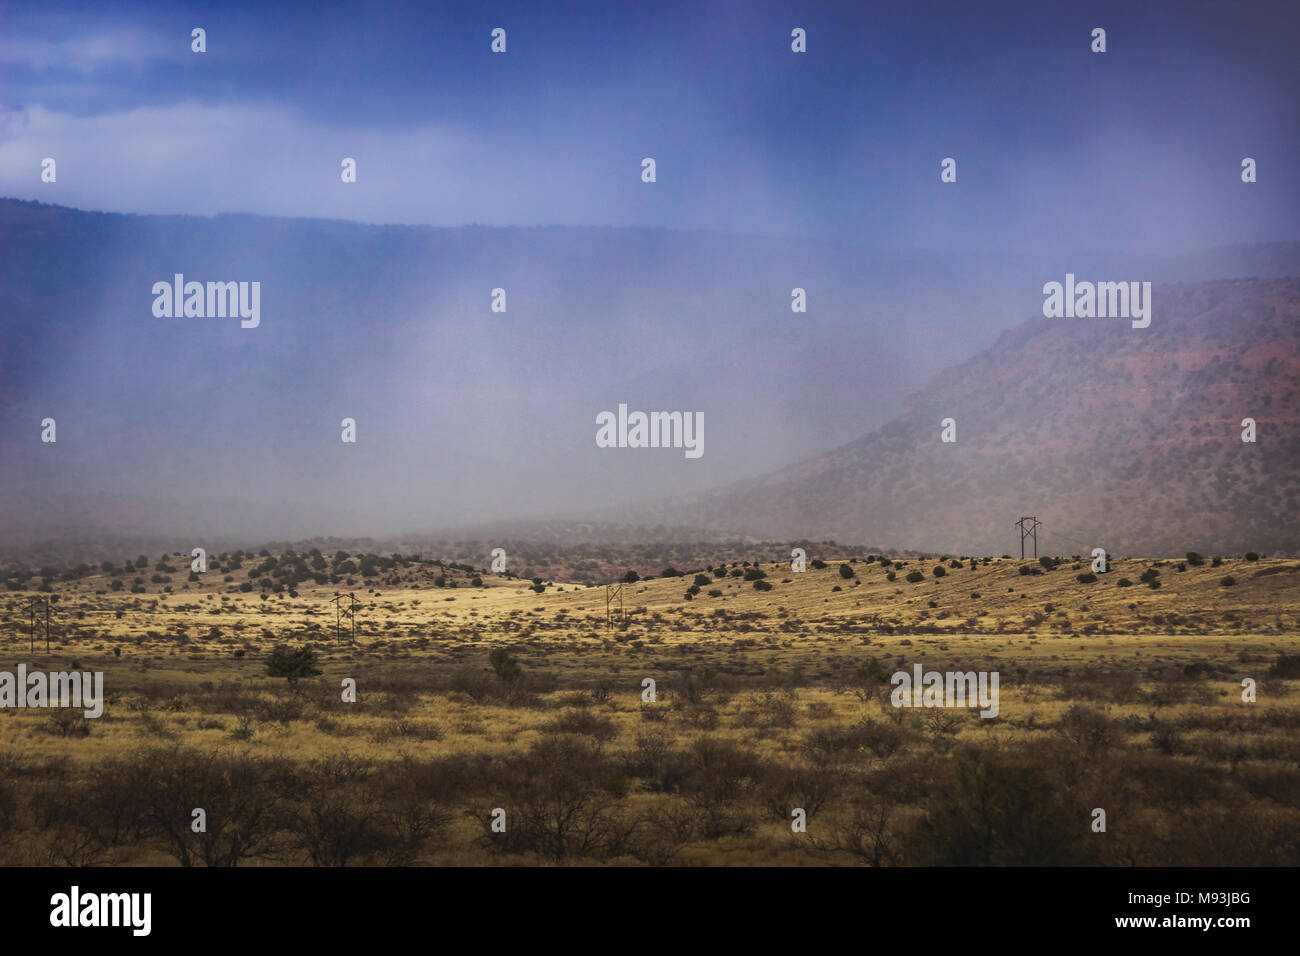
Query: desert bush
point(476, 685)
point(155, 791)
point(657, 761)
point(810, 788)
point(402, 727)
point(280, 710)
point(864, 738)
point(768, 710)
point(583, 722)
point(68, 723)
point(1286, 667)
point(334, 819)
point(505, 666)
point(870, 671)
point(562, 801)
point(292, 664)
point(1166, 737)
point(1088, 728)
point(654, 713)
point(999, 809)
point(720, 782)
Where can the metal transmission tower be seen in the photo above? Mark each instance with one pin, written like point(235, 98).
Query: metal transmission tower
point(1028, 531)
point(351, 612)
point(40, 607)
point(612, 592)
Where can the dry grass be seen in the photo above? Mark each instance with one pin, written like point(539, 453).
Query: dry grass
point(1126, 698)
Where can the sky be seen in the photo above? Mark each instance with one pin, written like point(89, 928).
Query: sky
point(1064, 157)
point(1137, 148)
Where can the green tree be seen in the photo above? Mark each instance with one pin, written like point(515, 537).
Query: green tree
point(292, 664)
point(505, 665)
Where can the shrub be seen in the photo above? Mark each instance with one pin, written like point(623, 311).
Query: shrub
point(870, 671)
point(505, 666)
point(583, 722)
point(1228, 581)
point(762, 586)
point(291, 664)
point(1166, 737)
point(940, 570)
point(999, 810)
point(1087, 577)
point(1194, 559)
point(1287, 667)
point(891, 576)
point(702, 580)
point(915, 576)
point(846, 571)
point(1252, 556)
point(1088, 728)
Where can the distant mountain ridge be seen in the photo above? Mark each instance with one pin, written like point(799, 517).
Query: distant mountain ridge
point(182, 428)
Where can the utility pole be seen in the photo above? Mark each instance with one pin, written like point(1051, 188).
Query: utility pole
point(338, 614)
point(1028, 531)
point(38, 607)
point(613, 591)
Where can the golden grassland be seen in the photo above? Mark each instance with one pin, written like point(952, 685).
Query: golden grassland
point(1124, 698)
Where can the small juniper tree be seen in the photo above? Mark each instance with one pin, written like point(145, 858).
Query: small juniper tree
point(506, 666)
point(291, 664)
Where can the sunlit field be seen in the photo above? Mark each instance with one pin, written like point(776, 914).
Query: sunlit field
point(477, 692)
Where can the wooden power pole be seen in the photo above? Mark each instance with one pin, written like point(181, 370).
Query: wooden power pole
point(40, 607)
point(338, 614)
point(612, 592)
point(1028, 531)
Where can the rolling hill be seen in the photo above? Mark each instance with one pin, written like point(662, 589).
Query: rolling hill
point(1127, 439)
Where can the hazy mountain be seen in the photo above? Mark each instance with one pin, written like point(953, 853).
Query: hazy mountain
point(171, 428)
point(1115, 437)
